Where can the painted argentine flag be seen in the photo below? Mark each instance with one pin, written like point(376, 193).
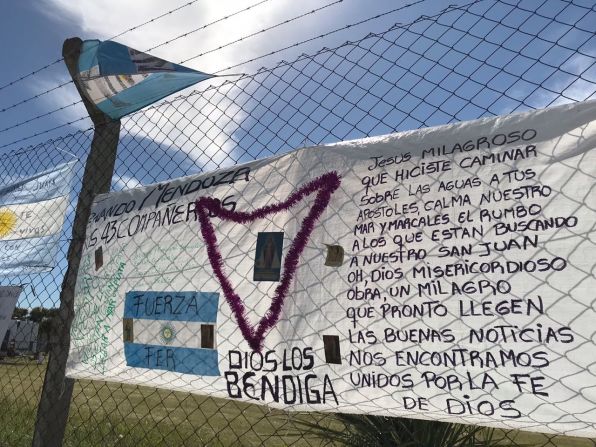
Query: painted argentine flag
point(32, 212)
point(172, 331)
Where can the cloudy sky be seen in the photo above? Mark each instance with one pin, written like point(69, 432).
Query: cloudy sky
point(33, 32)
point(507, 56)
point(208, 35)
point(36, 30)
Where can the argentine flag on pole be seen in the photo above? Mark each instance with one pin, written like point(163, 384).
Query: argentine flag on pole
point(32, 213)
point(120, 80)
point(172, 331)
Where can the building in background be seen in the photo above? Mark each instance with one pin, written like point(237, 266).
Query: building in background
point(20, 336)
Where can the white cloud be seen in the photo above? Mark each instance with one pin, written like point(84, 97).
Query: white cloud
point(124, 182)
point(203, 139)
point(207, 128)
point(106, 18)
point(561, 87)
point(63, 97)
point(197, 127)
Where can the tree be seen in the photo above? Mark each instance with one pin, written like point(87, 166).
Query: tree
point(37, 313)
point(44, 317)
point(20, 313)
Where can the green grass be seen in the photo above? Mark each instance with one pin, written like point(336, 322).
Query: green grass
point(110, 414)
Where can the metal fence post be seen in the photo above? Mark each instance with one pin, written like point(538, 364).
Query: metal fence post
point(54, 404)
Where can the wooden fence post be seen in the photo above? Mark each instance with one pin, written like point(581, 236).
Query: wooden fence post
point(52, 412)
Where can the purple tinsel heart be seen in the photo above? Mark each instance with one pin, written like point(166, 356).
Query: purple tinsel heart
point(324, 186)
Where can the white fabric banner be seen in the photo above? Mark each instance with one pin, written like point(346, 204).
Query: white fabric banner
point(442, 273)
point(33, 220)
point(32, 212)
point(8, 300)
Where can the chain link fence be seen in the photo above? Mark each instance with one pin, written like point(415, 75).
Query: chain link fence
point(485, 58)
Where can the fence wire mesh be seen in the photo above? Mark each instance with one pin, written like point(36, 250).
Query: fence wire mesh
point(482, 59)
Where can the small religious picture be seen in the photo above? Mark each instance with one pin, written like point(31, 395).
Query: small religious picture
point(98, 258)
point(268, 256)
point(335, 256)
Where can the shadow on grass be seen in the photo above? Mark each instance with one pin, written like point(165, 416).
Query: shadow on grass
point(110, 414)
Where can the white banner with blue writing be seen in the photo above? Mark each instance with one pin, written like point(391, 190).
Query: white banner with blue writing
point(32, 212)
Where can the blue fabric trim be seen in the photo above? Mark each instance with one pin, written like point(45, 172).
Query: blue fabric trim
point(172, 306)
point(88, 57)
point(200, 362)
point(155, 87)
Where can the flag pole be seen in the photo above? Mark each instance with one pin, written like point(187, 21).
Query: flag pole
point(54, 404)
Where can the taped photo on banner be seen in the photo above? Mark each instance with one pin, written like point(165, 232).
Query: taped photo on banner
point(268, 256)
point(32, 213)
point(441, 273)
